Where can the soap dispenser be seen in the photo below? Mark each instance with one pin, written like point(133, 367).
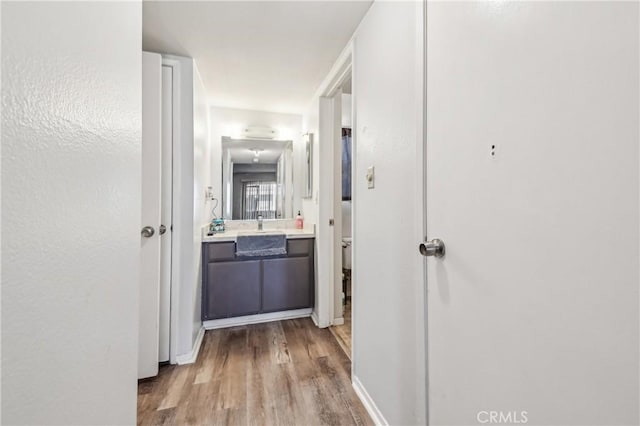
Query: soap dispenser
point(299, 221)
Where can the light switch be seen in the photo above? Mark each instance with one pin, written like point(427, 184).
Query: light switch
point(371, 177)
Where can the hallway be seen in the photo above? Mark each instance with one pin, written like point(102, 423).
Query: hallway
point(285, 372)
point(172, 168)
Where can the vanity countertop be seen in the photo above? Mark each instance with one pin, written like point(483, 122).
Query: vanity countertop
point(231, 235)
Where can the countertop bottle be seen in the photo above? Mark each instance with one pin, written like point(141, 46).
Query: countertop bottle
point(299, 221)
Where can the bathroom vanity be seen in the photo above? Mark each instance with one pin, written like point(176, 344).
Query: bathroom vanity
point(234, 285)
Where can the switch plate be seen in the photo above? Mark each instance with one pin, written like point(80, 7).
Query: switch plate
point(371, 177)
point(208, 194)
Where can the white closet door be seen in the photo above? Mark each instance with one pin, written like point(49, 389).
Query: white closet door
point(150, 242)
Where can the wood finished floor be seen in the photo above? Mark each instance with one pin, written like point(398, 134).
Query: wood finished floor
point(278, 373)
point(342, 332)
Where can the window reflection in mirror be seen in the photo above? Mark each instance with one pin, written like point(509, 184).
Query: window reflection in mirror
point(257, 178)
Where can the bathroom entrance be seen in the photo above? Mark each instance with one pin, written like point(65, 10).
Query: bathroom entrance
point(336, 194)
point(342, 330)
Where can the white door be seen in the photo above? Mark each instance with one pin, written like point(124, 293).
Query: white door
point(532, 184)
point(150, 241)
point(166, 212)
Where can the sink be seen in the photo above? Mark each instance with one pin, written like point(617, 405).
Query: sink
point(261, 243)
point(262, 232)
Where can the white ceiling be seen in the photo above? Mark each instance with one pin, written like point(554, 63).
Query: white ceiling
point(265, 55)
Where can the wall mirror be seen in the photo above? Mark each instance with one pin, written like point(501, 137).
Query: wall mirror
point(308, 166)
point(257, 178)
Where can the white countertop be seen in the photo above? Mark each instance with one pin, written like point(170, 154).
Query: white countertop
point(232, 234)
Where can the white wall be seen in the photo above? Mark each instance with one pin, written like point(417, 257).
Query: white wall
point(310, 206)
point(388, 291)
point(388, 315)
point(191, 165)
point(229, 122)
point(201, 179)
point(71, 144)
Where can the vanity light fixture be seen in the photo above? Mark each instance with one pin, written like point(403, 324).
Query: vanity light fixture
point(256, 154)
point(257, 132)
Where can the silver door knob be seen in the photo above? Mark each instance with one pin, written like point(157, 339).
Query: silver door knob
point(148, 231)
point(432, 248)
point(162, 229)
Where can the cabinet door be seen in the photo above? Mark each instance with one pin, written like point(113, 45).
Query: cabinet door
point(286, 284)
point(233, 289)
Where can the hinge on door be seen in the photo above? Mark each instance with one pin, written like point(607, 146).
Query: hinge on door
point(331, 222)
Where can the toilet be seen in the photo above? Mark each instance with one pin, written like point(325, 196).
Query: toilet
point(346, 253)
point(346, 266)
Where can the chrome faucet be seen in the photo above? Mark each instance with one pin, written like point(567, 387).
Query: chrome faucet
point(259, 222)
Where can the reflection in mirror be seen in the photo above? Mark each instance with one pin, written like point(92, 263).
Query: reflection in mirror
point(257, 178)
point(308, 164)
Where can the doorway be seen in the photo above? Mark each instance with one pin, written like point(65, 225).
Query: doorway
point(342, 329)
point(336, 299)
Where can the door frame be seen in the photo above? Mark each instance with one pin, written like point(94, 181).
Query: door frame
point(421, 168)
point(175, 212)
point(330, 183)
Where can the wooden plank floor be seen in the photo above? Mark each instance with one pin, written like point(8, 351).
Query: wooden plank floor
point(278, 373)
point(342, 332)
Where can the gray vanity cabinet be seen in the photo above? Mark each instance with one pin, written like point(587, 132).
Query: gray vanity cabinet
point(285, 284)
point(235, 286)
point(236, 290)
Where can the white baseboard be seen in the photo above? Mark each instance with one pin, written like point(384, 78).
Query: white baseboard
point(317, 322)
point(191, 357)
point(314, 318)
point(256, 319)
point(337, 321)
point(368, 403)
